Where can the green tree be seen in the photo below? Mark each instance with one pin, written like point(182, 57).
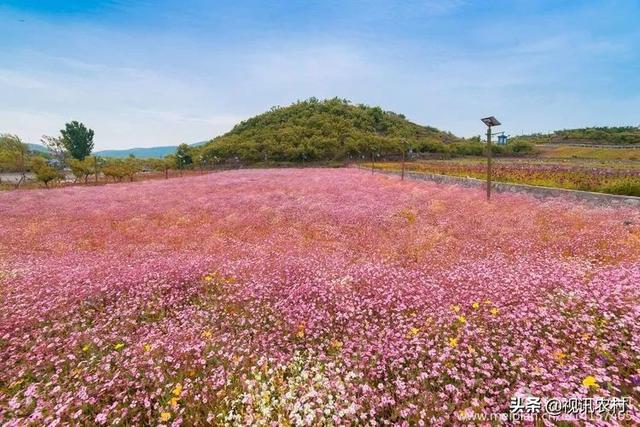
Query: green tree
point(14, 156)
point(82, 169)
point(118, 169)
point(44, 172)
point(114, 168)
point(184, 156)
point(131, 166)
point(77, 139)
point(171, 158)
point(162, 165)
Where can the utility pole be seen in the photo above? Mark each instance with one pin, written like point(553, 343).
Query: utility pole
point(490, 122)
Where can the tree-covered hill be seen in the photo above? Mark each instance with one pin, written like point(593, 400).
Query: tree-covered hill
point(622, 135)
point(315, 130)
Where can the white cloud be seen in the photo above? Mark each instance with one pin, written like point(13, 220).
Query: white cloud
point(157, 87)
point(14, 80)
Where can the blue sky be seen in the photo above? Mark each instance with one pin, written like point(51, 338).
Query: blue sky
point(162, 72)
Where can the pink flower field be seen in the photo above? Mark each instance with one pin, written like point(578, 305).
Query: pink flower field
point(309, 296)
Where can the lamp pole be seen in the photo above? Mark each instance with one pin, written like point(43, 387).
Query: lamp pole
point(489, 163)
point(490, 122)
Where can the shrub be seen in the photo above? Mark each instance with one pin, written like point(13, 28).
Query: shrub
point(520, 147)
point(627, 187)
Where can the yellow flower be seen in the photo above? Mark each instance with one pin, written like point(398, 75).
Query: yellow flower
point(453, 342)
point(336, 344)
point(475, 305)
point(174, 403)
point(590, 381)
point(207, 334)
point(118, 346)
point(455, 308)
point(494, 311)
point(147, 347)
point(414, 331)
point(86, 347)
point(208, 278)
point(462, 319)
point(165, 416)
point(177, 390)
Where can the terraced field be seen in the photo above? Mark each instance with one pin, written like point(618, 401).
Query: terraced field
point(612, 177)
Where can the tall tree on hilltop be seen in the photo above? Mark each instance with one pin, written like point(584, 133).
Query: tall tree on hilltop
point(77, 139)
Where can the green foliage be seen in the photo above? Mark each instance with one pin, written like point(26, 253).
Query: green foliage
point(43, 171)
point(520, 147)
point(621, 135)
point(77, 139)
point(596, 153)
point(172, 161)
point(132, 166)
point(14, 154)
point(82, 169)
point(627, 187)
point(470, 148)
point(113, 169)
point(118, 169)
point(184, 156)
point(314, 130)
point(162, 165)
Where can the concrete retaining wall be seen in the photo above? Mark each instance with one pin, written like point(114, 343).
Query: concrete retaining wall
point(539, 192)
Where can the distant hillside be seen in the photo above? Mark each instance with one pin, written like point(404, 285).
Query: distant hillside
point(624, 135)
point(143, 153)
point(37, 148)
point(332, 129)
point(140, 153)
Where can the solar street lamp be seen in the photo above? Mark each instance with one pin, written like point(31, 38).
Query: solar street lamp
point(490, 122)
